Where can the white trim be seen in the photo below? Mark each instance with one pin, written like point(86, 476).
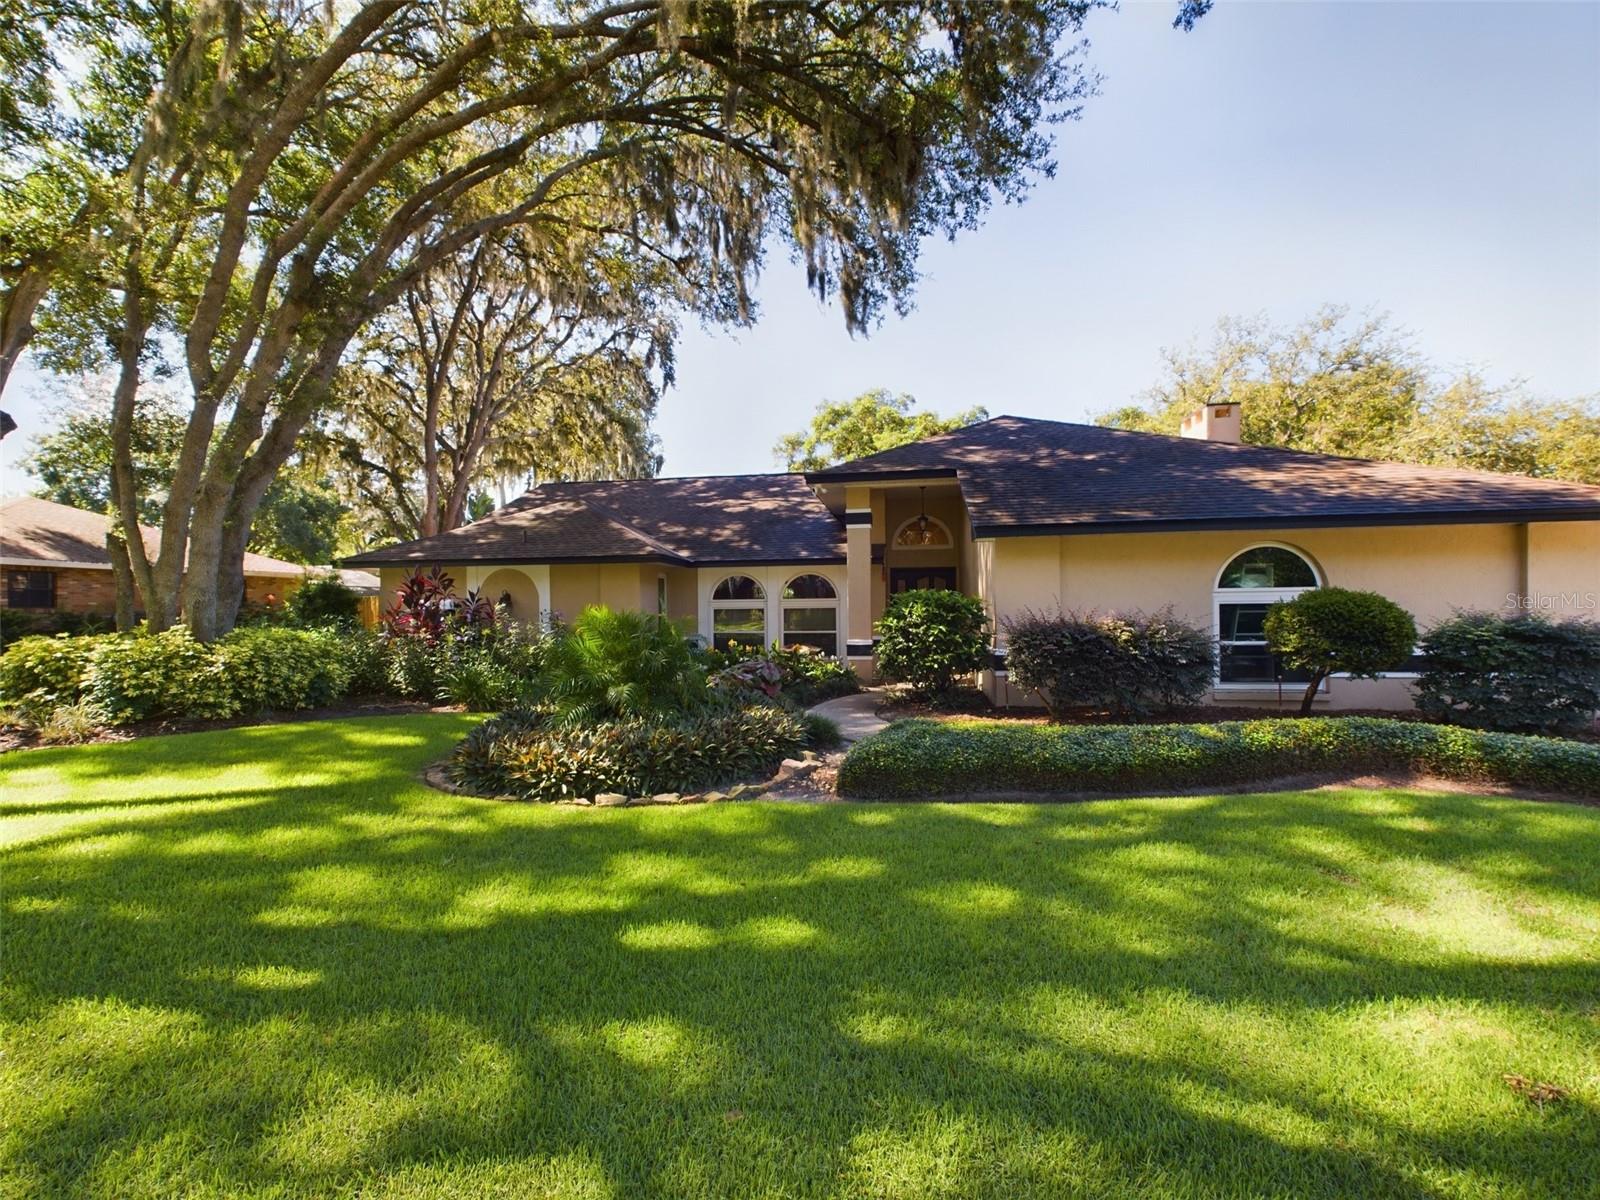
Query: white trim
point(1216, 583)
point(1272, 595)
point(800, 602)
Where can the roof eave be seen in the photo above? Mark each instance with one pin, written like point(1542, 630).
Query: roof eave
point(831, 476)
point(1500, 516)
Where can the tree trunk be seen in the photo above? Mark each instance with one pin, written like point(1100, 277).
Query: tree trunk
point(122, 572)
point(1311, 693)
point(16, 316)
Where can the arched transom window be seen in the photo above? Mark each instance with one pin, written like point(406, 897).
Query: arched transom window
point(923, 533)
point(738, 614)
point(811, 614)
point(1251, 583)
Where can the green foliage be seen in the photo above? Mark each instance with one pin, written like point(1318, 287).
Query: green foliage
point(1135, 663)
point(928, 638)
point(822, 733)
point(492, 672)
point(366, 660)
point(932, 758)
point(281, 669)
point(1356, 387)
point(150, 675)
point(799, 675)
point(1334, 630)
point(300, 519)
point(534, 756)
point(873, 421)
point(39, 673)
point(15, 625)
point(71, 724)
point(612, 665)
point(73, 461)
point(1524, 673)
point(324, 600)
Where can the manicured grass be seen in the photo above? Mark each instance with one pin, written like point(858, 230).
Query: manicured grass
point(269, 962)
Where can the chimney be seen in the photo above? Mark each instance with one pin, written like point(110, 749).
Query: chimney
point(1213, 422)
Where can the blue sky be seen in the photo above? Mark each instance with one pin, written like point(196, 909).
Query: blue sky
point(1437, 161)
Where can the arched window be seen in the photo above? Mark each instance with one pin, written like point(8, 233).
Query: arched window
point(923, 533)
point(738, 614)
point(1251, 583)
point(811, 614)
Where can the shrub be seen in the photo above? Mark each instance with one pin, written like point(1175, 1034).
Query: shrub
point(281, 669)
point(493, 672)
point(612, 665)
point(531, 755)
point(426, 603)
point(1335, 630)
point(1125, 664)
point(38, 673)
point(822, 733)
point(71, 724)
point(928, 638)
point(1519, 673)
point(166, 674)
point(801, 675)
point(931, 758)
point(324, 600)
point(14, 626)
point(366, 662)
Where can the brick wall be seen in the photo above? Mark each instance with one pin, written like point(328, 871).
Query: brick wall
point(96, 592)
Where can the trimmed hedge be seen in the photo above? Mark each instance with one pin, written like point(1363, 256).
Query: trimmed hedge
point(530, 756)
point(1524, 673)
point(931, 758)
point(1123, 663)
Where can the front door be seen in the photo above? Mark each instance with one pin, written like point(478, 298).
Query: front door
point(908, 579)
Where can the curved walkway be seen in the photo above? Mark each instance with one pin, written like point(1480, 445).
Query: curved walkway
point(856, 716)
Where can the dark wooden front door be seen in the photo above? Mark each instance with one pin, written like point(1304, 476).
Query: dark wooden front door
point(907, 579)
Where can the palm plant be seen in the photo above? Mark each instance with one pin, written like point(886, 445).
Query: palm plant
point(612, 665)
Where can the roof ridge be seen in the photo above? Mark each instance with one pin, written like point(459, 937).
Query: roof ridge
point(633, 531)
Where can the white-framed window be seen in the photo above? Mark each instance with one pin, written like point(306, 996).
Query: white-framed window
point(1252, 582)
point(738, 613)
point(923, 533)
point(811, 614)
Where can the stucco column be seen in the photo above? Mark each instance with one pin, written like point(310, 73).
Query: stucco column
point(858, 579)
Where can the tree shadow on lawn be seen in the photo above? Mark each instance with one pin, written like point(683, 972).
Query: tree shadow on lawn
point(1254, 995)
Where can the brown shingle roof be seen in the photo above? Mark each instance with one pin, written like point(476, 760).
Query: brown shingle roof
point(1022, 475)
point(705, 520)
point(42, 531)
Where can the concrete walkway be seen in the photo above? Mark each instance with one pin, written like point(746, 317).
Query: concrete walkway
point(856, 716)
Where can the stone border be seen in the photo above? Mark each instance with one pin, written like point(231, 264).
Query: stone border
point(790, 772)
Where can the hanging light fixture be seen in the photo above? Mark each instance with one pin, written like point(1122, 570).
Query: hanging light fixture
point(922, 520)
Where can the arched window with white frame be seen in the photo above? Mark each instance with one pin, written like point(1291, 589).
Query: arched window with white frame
point(811, 614)
point(1252, 582)
point(739, 614)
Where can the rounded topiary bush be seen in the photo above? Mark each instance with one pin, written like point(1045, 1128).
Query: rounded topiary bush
point(531, 755)
point(928, 638)
point(1337, 631)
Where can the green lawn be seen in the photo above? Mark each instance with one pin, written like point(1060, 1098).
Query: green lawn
point(269, 962)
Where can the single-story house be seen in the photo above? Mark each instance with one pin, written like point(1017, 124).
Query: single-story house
point(1032, 514)
point(55, 561)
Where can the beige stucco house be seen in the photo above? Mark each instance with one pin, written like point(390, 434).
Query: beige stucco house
point(1031, 514)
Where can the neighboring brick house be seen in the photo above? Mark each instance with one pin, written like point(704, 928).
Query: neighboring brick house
point(1030, 514)
point(55, 561)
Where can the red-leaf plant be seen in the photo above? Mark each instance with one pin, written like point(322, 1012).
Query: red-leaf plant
point(426, 604)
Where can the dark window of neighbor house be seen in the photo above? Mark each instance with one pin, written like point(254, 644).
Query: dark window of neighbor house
point(31, 589)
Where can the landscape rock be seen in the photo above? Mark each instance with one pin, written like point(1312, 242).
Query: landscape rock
point(610, 799)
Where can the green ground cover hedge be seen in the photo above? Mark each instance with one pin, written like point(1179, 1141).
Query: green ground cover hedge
point(530, 756)
point(933, 758)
